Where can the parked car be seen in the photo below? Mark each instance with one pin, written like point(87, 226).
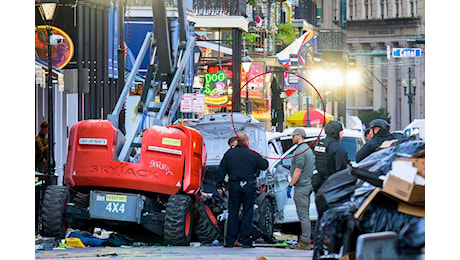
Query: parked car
point(352, 140)
point(277, 177)
point(416, 127)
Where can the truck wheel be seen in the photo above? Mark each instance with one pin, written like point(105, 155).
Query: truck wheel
point(207, 229)
point(178, 220)
point(266, 217)
point(55, 200)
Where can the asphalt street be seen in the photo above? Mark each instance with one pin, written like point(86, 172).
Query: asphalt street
point(174, 252)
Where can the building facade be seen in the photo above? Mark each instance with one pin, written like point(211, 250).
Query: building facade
point(375, 29)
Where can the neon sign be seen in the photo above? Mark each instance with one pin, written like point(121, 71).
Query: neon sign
point(215, 88)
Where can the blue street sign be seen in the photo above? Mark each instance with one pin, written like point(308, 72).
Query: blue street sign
point(406, 52)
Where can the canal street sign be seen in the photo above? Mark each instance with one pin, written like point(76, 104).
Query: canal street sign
point(406, 52)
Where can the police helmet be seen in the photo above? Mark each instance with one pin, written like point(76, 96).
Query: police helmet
point(379, 123)
point(333, 128)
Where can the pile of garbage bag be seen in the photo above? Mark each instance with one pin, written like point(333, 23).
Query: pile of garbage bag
point(344, 192)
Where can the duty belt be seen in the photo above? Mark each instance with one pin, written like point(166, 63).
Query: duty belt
point(243, 182)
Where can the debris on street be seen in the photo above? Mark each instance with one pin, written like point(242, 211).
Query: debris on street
point(385, 192)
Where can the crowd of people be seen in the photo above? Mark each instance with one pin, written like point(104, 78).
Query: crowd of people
point(328, 157)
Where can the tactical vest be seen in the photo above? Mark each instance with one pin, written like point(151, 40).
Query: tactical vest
point(320, 152)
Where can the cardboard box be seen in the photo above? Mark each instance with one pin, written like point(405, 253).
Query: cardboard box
point(418, 163)
point(349, 256)
point(359, 213)
point(403, 207)
point(420, 154)
point(413, 210)
point(388, 143)
point(403, 190)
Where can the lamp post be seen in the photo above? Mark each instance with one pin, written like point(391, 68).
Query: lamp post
point(47, 10)
point(409, 95)
point(247, 63)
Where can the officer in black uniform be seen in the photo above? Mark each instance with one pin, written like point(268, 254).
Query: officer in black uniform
point(330, 156)
point(381, 131)
point(241, 165)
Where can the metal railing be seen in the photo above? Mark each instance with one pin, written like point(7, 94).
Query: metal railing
point(260, 42)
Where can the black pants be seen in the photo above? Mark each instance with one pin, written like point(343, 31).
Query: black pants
point(240, 196)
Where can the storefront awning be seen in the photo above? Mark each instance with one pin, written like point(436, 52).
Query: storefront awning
point(44, 66)
point(214, 47)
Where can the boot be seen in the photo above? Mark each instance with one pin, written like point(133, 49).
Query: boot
point(302, 245)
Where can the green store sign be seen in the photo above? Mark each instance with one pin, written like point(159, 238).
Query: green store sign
point(215, 88)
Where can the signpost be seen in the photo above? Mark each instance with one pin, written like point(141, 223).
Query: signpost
point(192, 103)
point(406, 52)
point(198, 103)
point(186, 103)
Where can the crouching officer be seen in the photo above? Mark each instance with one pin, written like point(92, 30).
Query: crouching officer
point(330, 156)
point(241, 165)
point(380, 133)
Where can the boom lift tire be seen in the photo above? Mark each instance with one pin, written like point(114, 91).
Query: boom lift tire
point(80, 201)
point(178, 222)
point(207, 229)
point(55, 201)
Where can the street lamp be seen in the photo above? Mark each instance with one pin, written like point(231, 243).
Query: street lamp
point(246, 62)
point(336, 80)
point(353, 78)
point(197, 55)
point(47, 10)
point(409, 95)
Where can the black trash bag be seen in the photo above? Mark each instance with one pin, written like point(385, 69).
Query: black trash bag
point(412, 234)
point(335, 190)
point(368, 176)
point(385, 217)
point(335, 226)
point(117, 240)
point(362, 190)
point(379, 163)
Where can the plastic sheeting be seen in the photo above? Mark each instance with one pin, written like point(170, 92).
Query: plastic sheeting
point(336, 228)
point(385, 217)
point(379, 163)
point(335, 190)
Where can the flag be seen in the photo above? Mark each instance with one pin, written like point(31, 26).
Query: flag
point(293, 48)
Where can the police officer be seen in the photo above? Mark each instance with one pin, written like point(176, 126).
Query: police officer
point(330, 156)
point(381, 132)
point(241, 165)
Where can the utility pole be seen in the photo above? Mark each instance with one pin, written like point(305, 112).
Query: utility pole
point(121, 46)
point(409, 95)
point(51, 161)
point(121, 61)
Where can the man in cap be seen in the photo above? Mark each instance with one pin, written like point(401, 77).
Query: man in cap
point(301, 173)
